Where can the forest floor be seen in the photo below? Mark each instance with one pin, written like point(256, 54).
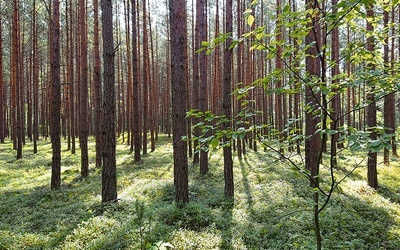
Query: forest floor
point(272, 208)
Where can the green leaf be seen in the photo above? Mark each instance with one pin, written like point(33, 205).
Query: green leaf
point(214, 142)
point(250, 20)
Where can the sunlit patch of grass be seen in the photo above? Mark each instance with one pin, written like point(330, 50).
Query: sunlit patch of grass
point(272, 208)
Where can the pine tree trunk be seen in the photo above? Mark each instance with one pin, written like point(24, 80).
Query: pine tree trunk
point(97, 84)
point(109, 176)
point(135, 68)
point(83, 119)
point(56, 97)
point(2, 99)
point(227, 103)
point(177, 10)
point(372, 175)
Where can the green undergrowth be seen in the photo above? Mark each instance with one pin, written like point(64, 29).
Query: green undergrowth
point(271, 208)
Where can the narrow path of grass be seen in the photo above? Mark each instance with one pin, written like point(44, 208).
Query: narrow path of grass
point(270, 210)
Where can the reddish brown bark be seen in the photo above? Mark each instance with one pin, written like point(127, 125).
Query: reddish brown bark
point(109, 176)
point(97, 84)
point(2, 99)
point(83, 112)
point(135, 68)
point(372, 175)
point(56, 97)
point(227, 104)
point(177, 9)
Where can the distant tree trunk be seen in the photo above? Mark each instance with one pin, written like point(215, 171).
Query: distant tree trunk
point(239, 70)
point(146, 80)
point(201, 13)
point(129, 73)
point(227, 103)
point(278, 64)
point(336, 101)
point(83, 119)
point(196, 78)
point(97, 84)
point(392, 60)
point(372, 174)
point(109, 177)
point(389, 112)
point(16, 83)
point(135, 67)
point(56, 97)
point(2, 99)
point(216, 83)
point(168, 83)
point(72, 79)
point(177, 12)
point(153, 93)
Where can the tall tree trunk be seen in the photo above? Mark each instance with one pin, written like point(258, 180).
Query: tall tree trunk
point(146, 80)
point(97, 84)
point(392, 60)
point(72, 79)
point(2, 99)
point(135, 67)
point(16, 83)
point(196, 78)
point(56, 97)
point(389, 113)
point(129, 73)
point(201, 13)
point(109, 176)
point(177, 12)
point(83, 119)
point(372, 174)
point(336, 101)
point(313, 140)
point(278, 64)
point(227, 103)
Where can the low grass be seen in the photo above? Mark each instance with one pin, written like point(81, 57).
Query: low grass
point(271, 209)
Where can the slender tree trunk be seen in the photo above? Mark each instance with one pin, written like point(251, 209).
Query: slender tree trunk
point(97, 84)
point(278, 64)
point(135, 67)
point(177, 10)
point(336, 99)
point(196, 79)
point(129, 73)
point(72, 79)
point(201, 13)
point(227, 103)
point(372, 174)
point(83, 119)
point(2, 99)
point(392, 60)
point(16, 83)
point(109, 176)
point(56, 97)
point(389, 100)
point(313, 140)
point(146, 80)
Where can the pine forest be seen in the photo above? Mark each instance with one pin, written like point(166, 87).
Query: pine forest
point(195, 124)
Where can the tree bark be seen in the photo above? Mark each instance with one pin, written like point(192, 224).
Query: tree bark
point(227, 103)
point(2, 99)
point(97, 84)
point(56, 97)
point(109, 177)
point(135, 68)
point(177, 10)
point(83, 118)
point(372, 174)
